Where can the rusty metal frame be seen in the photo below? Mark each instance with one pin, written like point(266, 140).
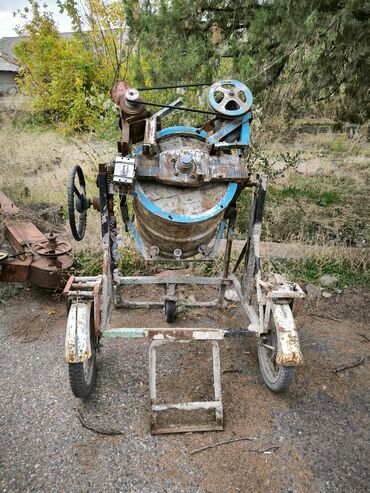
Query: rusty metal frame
point(86, 288)
point(220, 282)
point(279, 291)
point(269, 295)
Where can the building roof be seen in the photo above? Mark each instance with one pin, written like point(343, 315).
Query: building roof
point(7, 46)
point(6, 66)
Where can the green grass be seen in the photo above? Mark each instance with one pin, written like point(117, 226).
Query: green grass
point(348, 272)
point(88, 262)
point(315, 195)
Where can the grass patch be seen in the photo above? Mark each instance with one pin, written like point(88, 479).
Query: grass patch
point(343, 146)
point(320, 197)
point(88, 262)
point(350, 272)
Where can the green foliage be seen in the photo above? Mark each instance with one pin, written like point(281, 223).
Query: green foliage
point(295, 55)
point(322, 198)
point(342, 145)
point(69, 78)
point(299, 57)
point(272, 165)
point(88, 262)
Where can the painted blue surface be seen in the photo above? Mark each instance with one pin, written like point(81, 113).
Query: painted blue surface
point(181, 130)
point(219, 236)
point(154, 209)
point(168, 215)
point(228, 129)
point(139, 244)
point(245, 133)
point(126, 333)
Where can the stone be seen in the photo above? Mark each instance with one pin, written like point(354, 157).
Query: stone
point(327, 295)
point(313, 292)
point(231, 295)
point(327, 280)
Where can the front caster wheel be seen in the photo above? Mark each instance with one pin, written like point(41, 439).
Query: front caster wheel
point(276, 377)
point(170, 310)
point(82, 375)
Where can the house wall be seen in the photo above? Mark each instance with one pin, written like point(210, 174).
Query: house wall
point(7, 81)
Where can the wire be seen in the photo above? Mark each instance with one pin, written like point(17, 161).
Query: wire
point(147, 103)
point(173, 87)
point(277, 60)
point(271, 64)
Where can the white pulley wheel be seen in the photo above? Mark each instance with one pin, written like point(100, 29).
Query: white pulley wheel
point(230, 98)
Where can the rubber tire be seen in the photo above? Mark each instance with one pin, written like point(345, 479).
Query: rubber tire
point(78, 233)
point(170, 311)
point(80, 385)
point(276, 377)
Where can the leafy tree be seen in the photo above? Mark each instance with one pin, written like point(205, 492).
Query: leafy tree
point(70, 78)
point(295, 54)
point(299, 57)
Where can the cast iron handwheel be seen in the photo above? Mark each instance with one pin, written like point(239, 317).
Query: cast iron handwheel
point(82, 375)
point(170, 310)
point(276, 377)
point(77, 203)
point(42, 248)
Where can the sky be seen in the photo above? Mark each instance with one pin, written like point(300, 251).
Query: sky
point(8, 22)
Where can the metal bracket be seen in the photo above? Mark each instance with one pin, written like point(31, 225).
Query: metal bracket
point(230, 136)
point(124, 170)
point(216, 404)
point(276, 290)
point(172, 292)
point(85, 289)
point(151, 124)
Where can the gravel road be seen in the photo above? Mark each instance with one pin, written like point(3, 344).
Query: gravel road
point(320, 428)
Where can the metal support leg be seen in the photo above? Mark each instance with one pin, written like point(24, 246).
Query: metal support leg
point(216, 404)
point(252, 254)
point(106, 298)
point(217, 382)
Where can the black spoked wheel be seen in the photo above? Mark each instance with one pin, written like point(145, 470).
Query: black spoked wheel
point(276, 377)
point(78, 203)
point(170, 310)
point(82, 375)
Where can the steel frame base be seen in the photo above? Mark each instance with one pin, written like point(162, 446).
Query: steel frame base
point(220, 282)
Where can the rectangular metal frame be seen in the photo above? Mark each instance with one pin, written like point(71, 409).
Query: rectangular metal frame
point(221, 282)
point(216, 404)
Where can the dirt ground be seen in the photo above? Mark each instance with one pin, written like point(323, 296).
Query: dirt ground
point(319, 429)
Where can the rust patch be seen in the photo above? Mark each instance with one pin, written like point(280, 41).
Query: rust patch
point(282, 330)
point(291, 359)
point(173, 334)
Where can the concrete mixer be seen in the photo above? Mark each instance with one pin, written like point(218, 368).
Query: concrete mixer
point(177, 191)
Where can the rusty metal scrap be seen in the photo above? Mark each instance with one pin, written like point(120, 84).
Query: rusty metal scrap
point(42, 260)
